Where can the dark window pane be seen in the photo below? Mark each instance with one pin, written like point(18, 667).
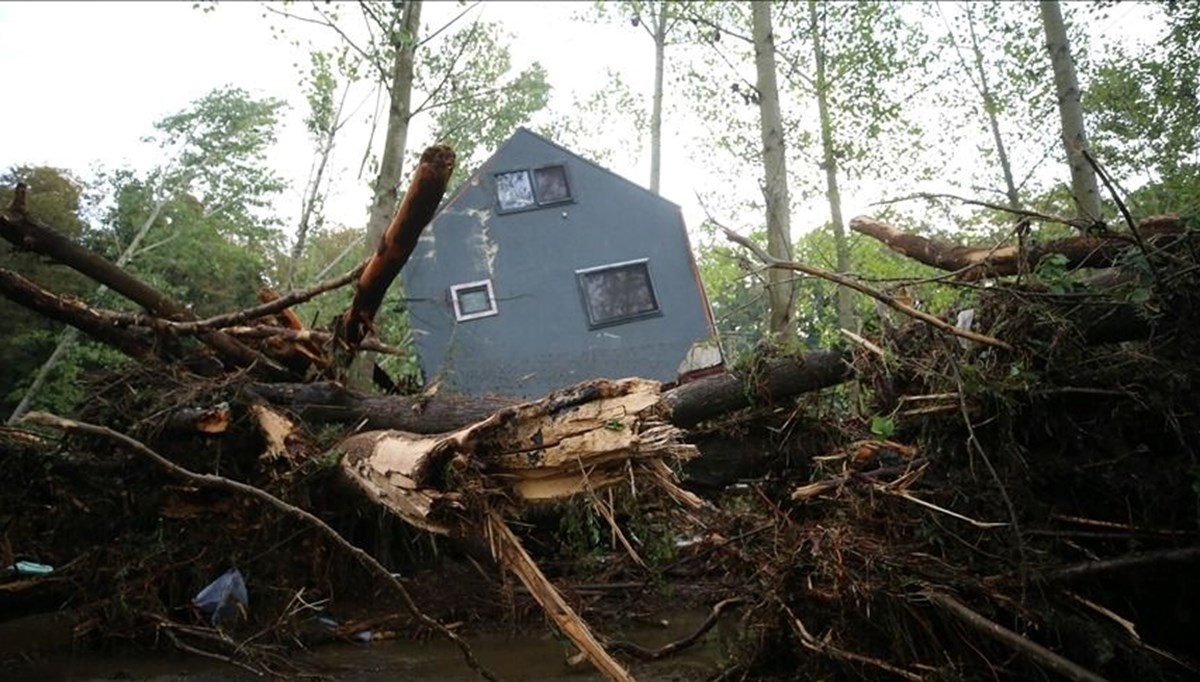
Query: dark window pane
point(551, 183)
point(514, 190)
point(617, 293)
point(475, 300)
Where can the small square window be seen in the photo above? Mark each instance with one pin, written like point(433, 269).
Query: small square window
point(514, 190)
point(551, 185)
point(473, 300)
point(617, 293)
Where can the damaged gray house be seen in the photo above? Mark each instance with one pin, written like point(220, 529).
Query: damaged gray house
point(545, 269)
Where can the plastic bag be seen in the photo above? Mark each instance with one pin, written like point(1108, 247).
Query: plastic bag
point(225, 599)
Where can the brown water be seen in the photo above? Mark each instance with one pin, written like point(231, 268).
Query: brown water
point(525, 656)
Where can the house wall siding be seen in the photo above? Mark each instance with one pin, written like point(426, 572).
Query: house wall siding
point(541, 340)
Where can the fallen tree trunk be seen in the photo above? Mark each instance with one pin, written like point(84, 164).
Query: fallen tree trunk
point(139, 346)
point(973, 263)
point(684, 405)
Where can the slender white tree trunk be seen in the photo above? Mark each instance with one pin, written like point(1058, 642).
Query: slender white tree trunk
point(845, 298)
point(780, 287)
point(1083, 178)
point(990, 107)
point(660, 48)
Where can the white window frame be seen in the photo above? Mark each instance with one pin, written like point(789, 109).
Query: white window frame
point(454, 299)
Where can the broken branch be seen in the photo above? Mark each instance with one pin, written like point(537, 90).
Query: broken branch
point(29, 234)
point(1022, 645)
point(883, 298)
point(1085, 251)
point(415, 212)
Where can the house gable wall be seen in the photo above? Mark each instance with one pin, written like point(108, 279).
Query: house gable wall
point(540, 339)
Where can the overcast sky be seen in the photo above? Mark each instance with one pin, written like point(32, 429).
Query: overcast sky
point(87, 80)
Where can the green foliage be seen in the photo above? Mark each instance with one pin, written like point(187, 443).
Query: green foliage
point(475, 99)
point(599, 123)
point(883, 427)
point(1147, 111)
point(26, 338)
point(212, 229)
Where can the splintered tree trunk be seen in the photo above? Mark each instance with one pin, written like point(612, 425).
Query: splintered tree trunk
point(845, 297)
point(1083, 178)
point(420, 203)
point(780, 288)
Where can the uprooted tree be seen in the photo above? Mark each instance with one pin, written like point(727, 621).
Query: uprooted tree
point(1021, 500)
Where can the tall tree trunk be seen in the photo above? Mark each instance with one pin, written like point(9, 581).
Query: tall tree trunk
point(660, 48)
point(391, 165)
point(780, 288)
point(990, 106)
point(845, 297)
point(1083, 178)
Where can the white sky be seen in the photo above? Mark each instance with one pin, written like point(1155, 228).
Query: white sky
point(85, 81)
point(89, 79)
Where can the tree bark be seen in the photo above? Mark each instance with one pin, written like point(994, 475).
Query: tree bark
point(845, 298)
point(391, 164)
point(420, 203)
point(780, 288)
point(660, 48)
point(1074, 136)
point(973, 263)
point(684, 405)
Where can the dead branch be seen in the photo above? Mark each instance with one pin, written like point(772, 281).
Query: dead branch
point(237, 487)
point(75, 313)
point(883, 298)
point(1023, 212)
point(973, 263)
point(415, 212)
point(509, 552)
point(1037, 652)
point(310, 335)
point(32, 235)
point(678, 645)
point(824, 646)
point(1090, 569)
point(271, 307)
